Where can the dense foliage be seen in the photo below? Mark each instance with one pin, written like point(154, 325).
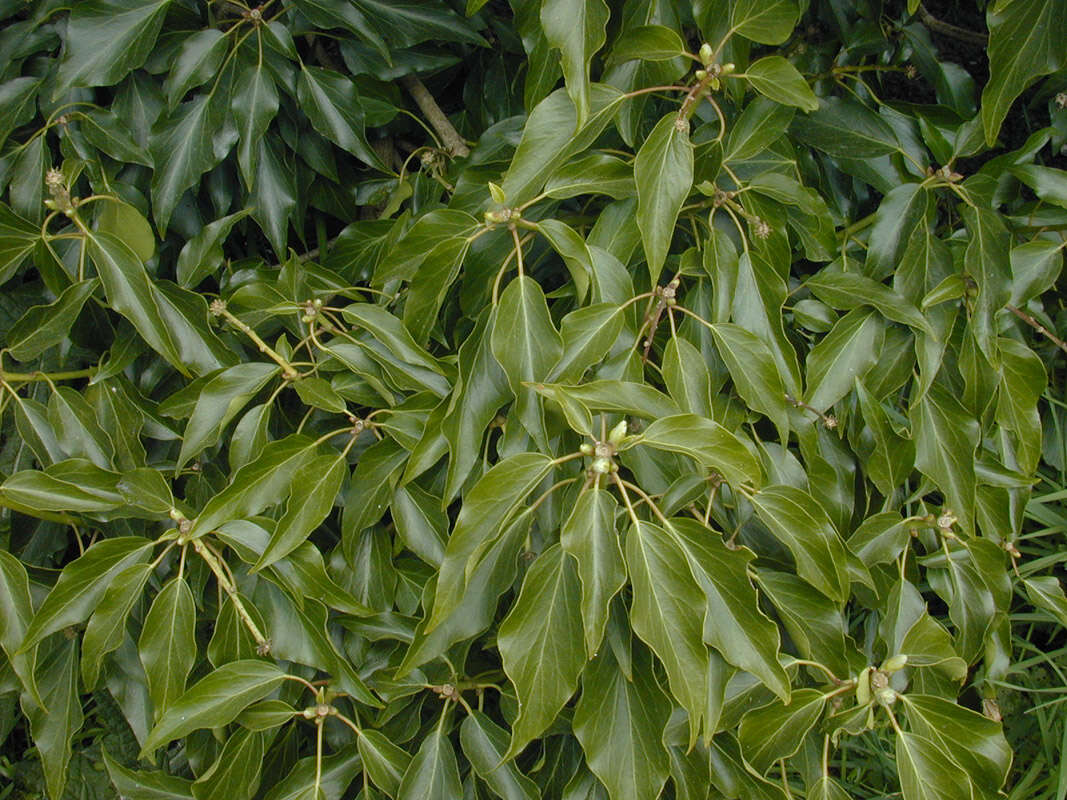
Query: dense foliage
point(558, 399)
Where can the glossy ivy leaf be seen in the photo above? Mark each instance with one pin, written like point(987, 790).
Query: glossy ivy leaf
point(842, 357)
point(202, 254)
point(82, 584)
point(331, 102)
point(433, 773)
point(108, 39)
point(620, 725)
point(235, 773)
point(55, 721)
point(763, 22)
point(846, 129)
point(16, 605)
point(45, 326)
point(1047, 593)
point(663, 170)
point(648, 43)
point(384, 762)
point(487, 507)
point(546, 619)
point(1022, 46)
point(926, 771)
point(153, 784)
point(485, 744)
point(577, 28)
point(264, 482)
point(107, 626)
point(589, 535)
point(215, 700)
point(168, 642)
point(777, 730)
point(801, 524)
point(754, 373)
point(733, 624)
point(665, 595)
point(18, 238)
point(713, 447)
point(777, 79)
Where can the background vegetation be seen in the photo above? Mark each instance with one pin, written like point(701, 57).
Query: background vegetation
point(560, 399)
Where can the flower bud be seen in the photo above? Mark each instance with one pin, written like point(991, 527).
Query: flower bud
point(706, 53)
point(601, 466)
point(886, 696)
point(586, 449)
point(895, 663)
point(618, 432)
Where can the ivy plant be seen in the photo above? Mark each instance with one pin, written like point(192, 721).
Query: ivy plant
point(554, 398)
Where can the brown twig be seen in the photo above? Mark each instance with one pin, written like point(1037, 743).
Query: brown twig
point(951, 31)
point(435, 116)
point(1037, 326)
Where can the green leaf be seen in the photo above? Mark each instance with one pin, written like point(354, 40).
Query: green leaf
point(663, 171)
point(255, 103)
point(202, 255)
point(18, 237)
point(264, 482)
point(893, 456)
point(1048, 183)
point(108, 132)
point(1025, 38)
point(82, 584)
point(848, 290)
point(108, 38)
point(171, 320)
point(16, 611)
point(485, 744)
point(235, 773)
point(733, 622)
point(1047, 593)
point(648, 43)
point(844, 128)
point(988, 263)
point(315, 489)
point(154, 785)
point(761, 124)
point(946, 438)
point(332, 774)
point(215, 700)
point(798, 521)
point(590, 536)
point(546, 619)
point(754, 373)
point(527, 345)
point(577, 28)
point(487, 507)
point(665, 597)
point(197, 60)
point(107, 626)
point(759, 20)
point(186, 143)
point(620, 724)
point(45, 326)
point(842, 357)
point(71, 485)
point(433, 773)
point(778, 80)
point(384, 762)
point(168, 643)
point(551, 137)
point(18, 103)
point(219, 401)
point(975, 742)
point(708, 442)
point(777, 730)
point(125, 222)
point(588, 334)
point(926, 771)
point(687, 377)
point(58, 718)
point(331, 102)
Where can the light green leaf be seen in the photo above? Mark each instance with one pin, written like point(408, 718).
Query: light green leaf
point(384, 762)
point(926, 771)
point(215, 700)
point(1046, 592)
point(235, 773)
point(153, 785)
point(107, 626)
point(264, 482)
point(778, 80)
point(664, 174)
point(946, 437)
point(546, 619)
point(58, 718)
point(315, 489)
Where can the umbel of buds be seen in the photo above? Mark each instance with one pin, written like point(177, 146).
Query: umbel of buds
point(60, 194)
